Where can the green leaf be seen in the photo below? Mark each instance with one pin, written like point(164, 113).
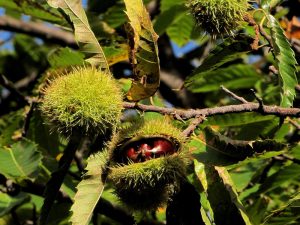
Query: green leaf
point(49, 143)
point(236, 119)
point(33, 8)
point(167, 4)
point(116, 53)
point(89, 190)
point(85, 37)
point(257, 210)
point(285, 62)
point(9, 124)
point(281, 177)
point(65, 57)
point(237, 148)
point(269, 4)
point(115, 16)
point(288, 214)
point(215, 149)
point(143, 52)
point(228, 207)
point(167, 18)
point(226, 52)
point(20, 161)
point(181, 30)
point(263, 129)
point(7, 202)
point(233, 77)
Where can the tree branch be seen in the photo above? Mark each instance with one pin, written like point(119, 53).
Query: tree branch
point(206, 112)
point(193, 125)
point(10, 86)
point(40, 30)
point(240, 99)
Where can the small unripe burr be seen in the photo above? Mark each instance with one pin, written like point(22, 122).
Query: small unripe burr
point(218, 17)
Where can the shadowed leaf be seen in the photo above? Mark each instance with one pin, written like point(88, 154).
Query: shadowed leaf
point(237, 148)
point(226, 52)
point(233, 77)
point(227, 208)
point(57, 178)
point(287, 214)
point(143, 53)
point(7, 203)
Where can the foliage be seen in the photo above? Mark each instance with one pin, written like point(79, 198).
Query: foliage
point(61, 65)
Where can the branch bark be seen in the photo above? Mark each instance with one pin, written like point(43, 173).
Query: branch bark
point(40, 30)
point(206, 112)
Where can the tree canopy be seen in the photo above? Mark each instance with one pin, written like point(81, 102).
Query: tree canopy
point(175, 112)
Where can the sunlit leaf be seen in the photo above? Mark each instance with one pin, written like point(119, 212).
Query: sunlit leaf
point(20, 161)
point(285, 62)
point(89, 190)
point(143, 52)
point(268, 4)
point(85, 37)
point(116, 53)
point(34, 8)
point(167, 18)
point(181, 30)
point(65, 57)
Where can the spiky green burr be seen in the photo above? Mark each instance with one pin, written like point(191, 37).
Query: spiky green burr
point(218, 17)
point(86, 100)
point(149, 184)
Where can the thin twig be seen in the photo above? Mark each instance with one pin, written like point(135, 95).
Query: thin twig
point(10, 86)
point(27, 118)
point(240, 99)
point(265, 35)
point(273, 69)
point(294, 160)
point(193, 125)
point(294, 123)
point(78, 160)
point(38, 30)
point(260, 101)
point(207, 112)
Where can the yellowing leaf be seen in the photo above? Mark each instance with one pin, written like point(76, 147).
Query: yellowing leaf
point(84, 35)
point(143, 53)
